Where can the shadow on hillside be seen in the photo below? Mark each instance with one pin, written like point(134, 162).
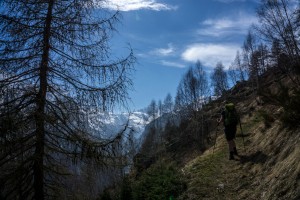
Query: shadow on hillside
point(243, 135)
point(257, 157)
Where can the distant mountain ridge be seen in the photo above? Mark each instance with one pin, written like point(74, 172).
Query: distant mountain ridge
point(110, 124)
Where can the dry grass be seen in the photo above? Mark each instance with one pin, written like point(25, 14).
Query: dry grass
point(268, 169)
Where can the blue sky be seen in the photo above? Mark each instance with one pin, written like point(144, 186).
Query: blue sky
point(168, 36)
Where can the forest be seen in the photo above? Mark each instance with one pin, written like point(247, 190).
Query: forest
point(56, 67)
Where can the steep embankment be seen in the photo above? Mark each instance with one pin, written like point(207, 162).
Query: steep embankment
point(268, 167)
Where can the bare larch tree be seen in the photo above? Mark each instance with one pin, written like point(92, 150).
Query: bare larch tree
point(219, 79)
point(192, 89)
point(55, 66)
point(279, 22)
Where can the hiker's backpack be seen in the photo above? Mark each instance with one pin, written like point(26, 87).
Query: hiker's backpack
point(231, 116)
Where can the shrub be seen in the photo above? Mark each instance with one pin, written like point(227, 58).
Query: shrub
point(291, 115)
point(160, 181)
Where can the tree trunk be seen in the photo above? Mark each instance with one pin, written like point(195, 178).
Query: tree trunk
point(38, 169)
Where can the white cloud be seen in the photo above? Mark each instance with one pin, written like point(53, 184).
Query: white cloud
point(228, 1)
point(129, 5)
point(226, 26)
point(172, 64)
point(164, 51)
point(211, 54)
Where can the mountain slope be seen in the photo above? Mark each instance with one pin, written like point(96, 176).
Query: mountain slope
point(108, 125)
point(268, 167)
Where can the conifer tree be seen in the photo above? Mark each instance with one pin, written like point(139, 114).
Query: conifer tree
point(279, 21)
point(168, 104)
point(55, 59)
point(219, 79)
point(192, 89)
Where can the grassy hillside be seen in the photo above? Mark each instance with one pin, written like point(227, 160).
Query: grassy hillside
point(268, 167)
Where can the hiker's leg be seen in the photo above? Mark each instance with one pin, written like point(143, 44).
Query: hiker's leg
point(231, 145)
point(234, 148)
point(230, 140)
point(231, 149)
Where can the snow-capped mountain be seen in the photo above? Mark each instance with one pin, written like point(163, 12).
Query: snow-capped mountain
point(109, 124)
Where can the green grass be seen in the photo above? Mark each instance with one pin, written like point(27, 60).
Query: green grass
point(204, 175)
point(159, 182)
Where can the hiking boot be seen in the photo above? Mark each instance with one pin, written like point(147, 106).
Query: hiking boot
point(231, 156)
point(235, 151)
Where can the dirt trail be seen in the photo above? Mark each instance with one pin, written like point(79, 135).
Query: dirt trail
point(268, 167)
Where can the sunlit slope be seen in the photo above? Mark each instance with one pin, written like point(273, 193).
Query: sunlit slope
point(268, 166)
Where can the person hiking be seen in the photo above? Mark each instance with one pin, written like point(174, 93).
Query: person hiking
point(230, 118)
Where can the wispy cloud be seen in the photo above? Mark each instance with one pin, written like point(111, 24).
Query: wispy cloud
point(226, 26)
point(210, 54)
point(172, 64)
point(164, 51)
point(129, 5)
point(229, 1)
point(165, 56)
